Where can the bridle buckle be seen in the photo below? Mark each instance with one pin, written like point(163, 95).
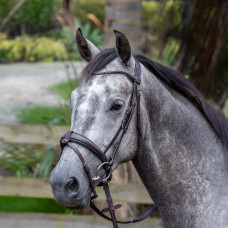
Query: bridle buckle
point(107, 171)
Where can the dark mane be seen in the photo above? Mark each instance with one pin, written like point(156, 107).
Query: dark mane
point(174, 80)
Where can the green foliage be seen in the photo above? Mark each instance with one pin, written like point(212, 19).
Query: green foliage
point(45, 115)
point(21, 160)
point(32, 50)
point(66, 36)
point(45, 164)
point(27, 160)
point(171, 19)
point(163, 21)
point(24, 204)
point(2, 36)
point(151, 20)
point(170, 51)
point(64, 89)
point(6, 6)
point(91, 33)
point(226, 109)
point(84, 7)
point(35, 14)
point(150, 16)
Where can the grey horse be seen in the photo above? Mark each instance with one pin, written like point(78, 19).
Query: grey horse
point(183, 159)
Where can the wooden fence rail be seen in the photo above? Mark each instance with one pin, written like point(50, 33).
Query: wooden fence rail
point(38, 220)
point(32, 134)
point(31, 187)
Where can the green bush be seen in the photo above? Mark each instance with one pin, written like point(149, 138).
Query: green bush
point(21, 160)
point(6, 6)
point(46, 48)
point(33, 15)
point(150, 16)
point(40, 14)
point(32, 50)
point(170, 51)
point(159, 17)
point(171, 19)
point(66, 36)
point(161, 20)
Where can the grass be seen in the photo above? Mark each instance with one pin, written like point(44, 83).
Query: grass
point(45, 115)
point(48, 115)
point(25, 204)
point(64, 89)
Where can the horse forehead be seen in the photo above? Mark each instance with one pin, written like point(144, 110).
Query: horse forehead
point(103, 86)
point(86, 102)
point(113, 84)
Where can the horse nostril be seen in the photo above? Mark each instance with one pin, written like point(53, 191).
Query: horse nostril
point(72, 187)
point(72, 184)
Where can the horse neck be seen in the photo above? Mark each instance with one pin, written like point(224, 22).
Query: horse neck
point(182, 161)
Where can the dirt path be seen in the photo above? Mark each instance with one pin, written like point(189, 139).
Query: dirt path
point(26, 84)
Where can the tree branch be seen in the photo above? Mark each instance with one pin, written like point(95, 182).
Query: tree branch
point(10, 14)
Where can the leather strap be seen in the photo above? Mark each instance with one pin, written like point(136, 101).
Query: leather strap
point(83, 141)
point(110, 203)
point(138, 219)
point(113, 140)
point(130, 76)
point(86, 167)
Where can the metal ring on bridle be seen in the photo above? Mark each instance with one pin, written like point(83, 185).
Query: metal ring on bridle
point(96, 178)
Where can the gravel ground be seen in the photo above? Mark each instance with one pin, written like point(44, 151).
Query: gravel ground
point(26, 84)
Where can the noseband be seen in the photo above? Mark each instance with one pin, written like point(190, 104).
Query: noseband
point(71, 138)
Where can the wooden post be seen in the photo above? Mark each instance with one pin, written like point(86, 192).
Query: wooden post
point(125, 16)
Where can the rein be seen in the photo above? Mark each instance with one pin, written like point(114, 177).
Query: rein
point(71, 137)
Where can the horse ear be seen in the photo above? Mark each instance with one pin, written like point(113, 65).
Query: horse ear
point(123, 47)
point(86, 48)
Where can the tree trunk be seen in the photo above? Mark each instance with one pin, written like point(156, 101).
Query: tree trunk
point(124, 16)
point(203, 48)
point(68, 16)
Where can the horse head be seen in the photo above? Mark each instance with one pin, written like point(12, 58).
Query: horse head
point(103, 112)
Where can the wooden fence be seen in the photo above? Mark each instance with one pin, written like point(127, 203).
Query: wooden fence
point(32, 134)
point(37, 220)
point(40, 188)
point(31, 187)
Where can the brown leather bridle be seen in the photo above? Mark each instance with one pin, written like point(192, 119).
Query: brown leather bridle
point(71, 137)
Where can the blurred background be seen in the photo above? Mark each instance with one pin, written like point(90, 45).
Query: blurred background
point(40, 66)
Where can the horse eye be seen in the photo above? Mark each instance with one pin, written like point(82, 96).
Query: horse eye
point(117, 106)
